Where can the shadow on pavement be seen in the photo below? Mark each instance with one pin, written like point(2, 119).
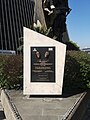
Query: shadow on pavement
point(2, 115)
point(64, 95)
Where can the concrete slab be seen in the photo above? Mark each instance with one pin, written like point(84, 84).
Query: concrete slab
point(2, 116)
point(42, 108)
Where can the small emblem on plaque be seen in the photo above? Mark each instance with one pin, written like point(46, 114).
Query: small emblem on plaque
point(34, 50)
point(50, 49)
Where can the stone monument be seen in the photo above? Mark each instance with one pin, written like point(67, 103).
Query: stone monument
point(44, 60)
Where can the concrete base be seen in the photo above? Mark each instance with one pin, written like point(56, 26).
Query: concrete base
point(17, 106)
point(2, 116)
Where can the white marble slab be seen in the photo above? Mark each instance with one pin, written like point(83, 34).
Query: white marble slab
point(32, 39)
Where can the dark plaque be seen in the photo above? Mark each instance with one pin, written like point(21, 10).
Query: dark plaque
point(43, 64)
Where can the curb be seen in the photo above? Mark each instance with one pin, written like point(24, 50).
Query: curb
point(10, 109)
point(72, 112)
point(81, 107)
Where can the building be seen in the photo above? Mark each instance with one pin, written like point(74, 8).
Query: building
point(86, 50)
point(14, 14)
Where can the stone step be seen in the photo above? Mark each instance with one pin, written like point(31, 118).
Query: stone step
point(2, 115)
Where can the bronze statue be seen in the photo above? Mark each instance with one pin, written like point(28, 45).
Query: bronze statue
point(55, 15)
point(48, 6)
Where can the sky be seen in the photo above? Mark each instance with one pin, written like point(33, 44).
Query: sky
point(78, 22)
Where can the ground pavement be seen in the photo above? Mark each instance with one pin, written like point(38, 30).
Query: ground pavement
point(44, 108)
point(2, 116)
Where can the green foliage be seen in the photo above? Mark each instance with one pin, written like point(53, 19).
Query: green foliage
point(11, 71)
point(76, 75)
point(77, 70)
point(72, 46)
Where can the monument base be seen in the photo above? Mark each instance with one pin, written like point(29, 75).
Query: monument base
point(18, 106)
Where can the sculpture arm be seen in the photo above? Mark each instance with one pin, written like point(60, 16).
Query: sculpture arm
point(52, 4)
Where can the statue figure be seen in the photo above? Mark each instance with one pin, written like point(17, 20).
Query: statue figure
point(49, 6)
point(55, 12)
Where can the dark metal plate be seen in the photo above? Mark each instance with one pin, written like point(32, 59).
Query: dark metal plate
point(43, 64)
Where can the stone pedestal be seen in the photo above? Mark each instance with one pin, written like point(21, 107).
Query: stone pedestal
point(44, 60)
